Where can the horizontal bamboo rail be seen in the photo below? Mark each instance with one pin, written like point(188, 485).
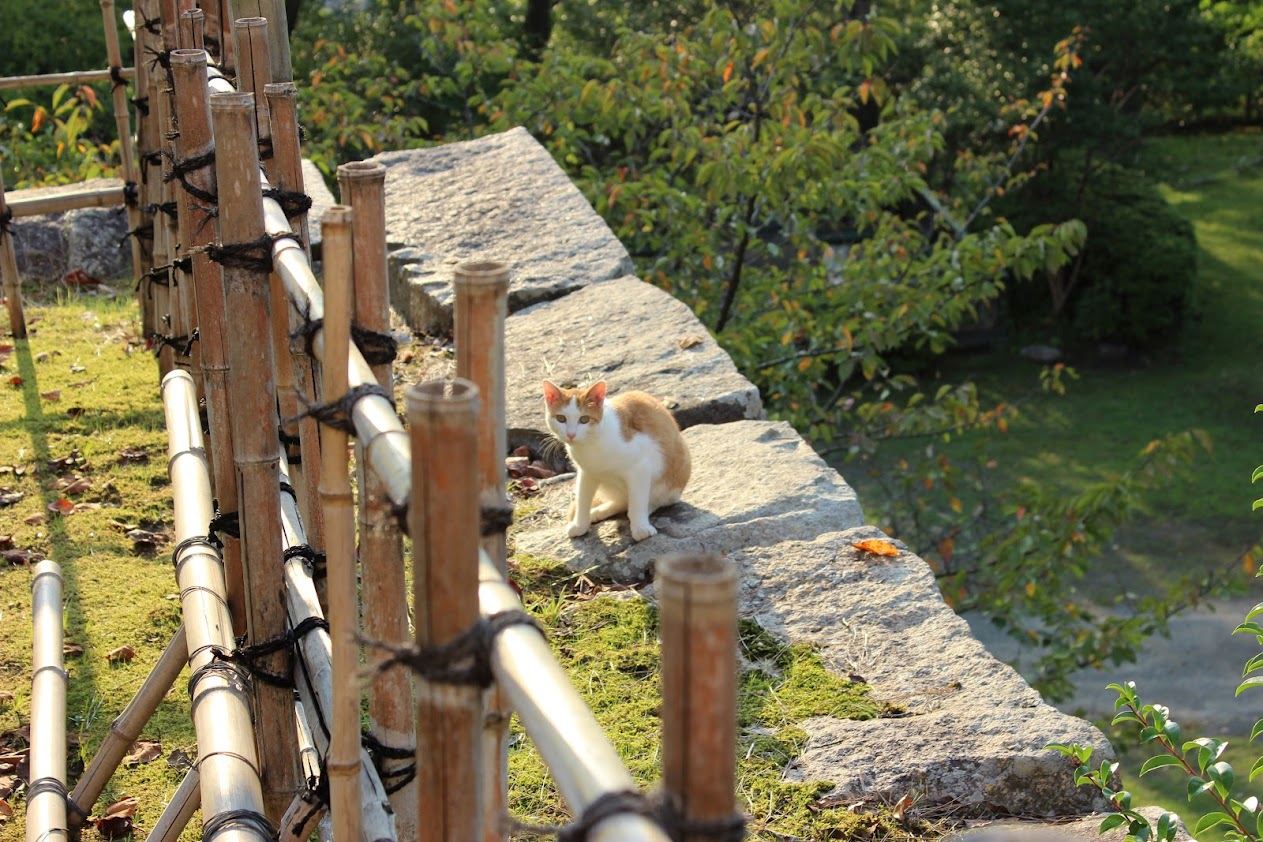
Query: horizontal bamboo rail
point(46, 795)
point(220, 698)
point(99, 197)
point(77, 77)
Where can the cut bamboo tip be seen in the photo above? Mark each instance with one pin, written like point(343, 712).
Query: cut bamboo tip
point(481, 273)
point(362, 170)
point(190, 56)
point(442, 397)
point(708, 574)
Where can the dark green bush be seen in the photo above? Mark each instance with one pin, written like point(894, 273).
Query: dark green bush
point(1133, 280)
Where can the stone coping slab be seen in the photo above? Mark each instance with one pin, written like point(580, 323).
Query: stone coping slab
point(634, 336)
point(971, 732)
point(497, 198)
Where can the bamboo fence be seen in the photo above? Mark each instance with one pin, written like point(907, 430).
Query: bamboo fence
point(452, 493)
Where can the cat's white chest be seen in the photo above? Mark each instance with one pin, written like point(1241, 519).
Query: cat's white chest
point(609, 454)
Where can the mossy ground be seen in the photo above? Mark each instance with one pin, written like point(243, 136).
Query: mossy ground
point(87, 349)
point(608, 643)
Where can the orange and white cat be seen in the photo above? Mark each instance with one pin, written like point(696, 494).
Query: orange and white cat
point(628, 449)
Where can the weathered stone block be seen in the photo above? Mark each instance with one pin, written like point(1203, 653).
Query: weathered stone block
point(754, 483)
point(501, 197)
point(973, 731)
point(321, 199)
point(634, 336)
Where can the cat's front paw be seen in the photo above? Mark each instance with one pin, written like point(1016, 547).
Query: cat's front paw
point(640, 533)
point(574, 529)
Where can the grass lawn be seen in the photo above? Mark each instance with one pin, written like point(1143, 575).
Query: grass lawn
point(1208, 378)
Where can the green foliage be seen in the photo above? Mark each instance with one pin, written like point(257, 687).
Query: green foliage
point(55, 143)
point(38, 37)
point(1133, 280)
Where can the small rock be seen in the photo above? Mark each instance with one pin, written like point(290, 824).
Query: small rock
point(1041, 353)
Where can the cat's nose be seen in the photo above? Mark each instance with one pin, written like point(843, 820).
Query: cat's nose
point(570, 436)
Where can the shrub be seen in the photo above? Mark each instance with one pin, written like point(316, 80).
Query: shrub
point(1132, 282)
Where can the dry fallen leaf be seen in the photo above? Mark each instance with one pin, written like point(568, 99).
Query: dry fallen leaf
point(43, 358)
point(876, 546)
point(80, 278)
point(690, 341)
point(6, 542)
point(21, 556)
point(35, 519)
point(525, 487)
point(73, 459)
point(6, 812)
point(54, 395)
point(77, 369)
point(143, 751)
point(117, 821)
point(15, 381)
point(77, 486)
point(71, 649)
point(75, 411)
point(6, 697)
point(7, 784)
point(130, 455)
point(121, 655)
point(8, 496)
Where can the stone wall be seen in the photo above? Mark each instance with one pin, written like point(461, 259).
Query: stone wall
point(972, 732)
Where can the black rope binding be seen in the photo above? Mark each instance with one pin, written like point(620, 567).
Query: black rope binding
point(255, 255)
point(657, 807)
point(464, 660)
point(229, 523)
point(140, 232)
point(182, 345)
point(292, 203)
point(376, 347)
point(171, 209)
point(116, 73)
point(131, 193)
point(226, 669)
point(289, 442)
point(6, 222)
point(142, 105)
point(252, 819)
point(39, 786)
point(180, 169)
point(337, 414)
point(392, 779)
point(316, 561)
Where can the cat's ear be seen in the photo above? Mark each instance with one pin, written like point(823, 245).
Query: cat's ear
point(552, 394)
point(596, 393)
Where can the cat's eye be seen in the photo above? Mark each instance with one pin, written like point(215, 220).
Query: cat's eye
point(561, 418)
point(583, 419)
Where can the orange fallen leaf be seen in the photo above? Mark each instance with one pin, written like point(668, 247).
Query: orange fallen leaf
point(6, 812)
point(120, 655)
point(61, 506)
point(15, 381)
point(876, 546)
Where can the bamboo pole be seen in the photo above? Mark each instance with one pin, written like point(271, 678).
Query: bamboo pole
point(278, 33)
point(482, 291)
point(97, 197)
point(179, 810)
point(126, 728)
point(287, 174)
point(698, 599)
point(123, 121)
point(188, 68)
point(254, 424)
point(343, 764)
point(220, 698)
point(583, 762)
point(165, 295)
point(253, 75)
point(192, 32)
point(9, 271)
point(77, 77)
point(46, 797)
point(146, 145)
point(443, 520)
point(315, 678)
point(227, 55)
point(390, 707)
point(183, 312)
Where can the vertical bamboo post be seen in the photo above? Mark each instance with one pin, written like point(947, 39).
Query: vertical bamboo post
point(179, 810)
point(698, 599)
point(482, 291)
point(179, 229)
point(254, 423)
point(196, 139)
point(390, 708)
point(163, 242)
point(192, 34)
point(9, 271)
point(122, 119)
point(443, 521)
point(278, 33)
point(46, 797)
point(343, 764)
point(146, 144)
point(287, 174)
point(227, 54)
point(127, 727)
point(253, 75)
